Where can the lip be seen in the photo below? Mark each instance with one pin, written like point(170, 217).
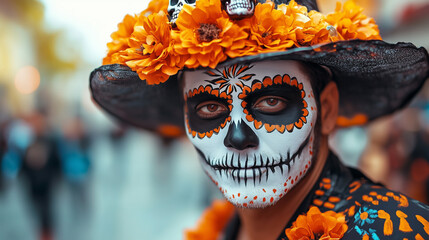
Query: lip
point(252, 173)
point(240, 170)
point(248, 174)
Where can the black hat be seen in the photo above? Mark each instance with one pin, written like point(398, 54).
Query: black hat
point(374, 79)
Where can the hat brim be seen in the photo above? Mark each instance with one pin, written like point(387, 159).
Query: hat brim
point(374, 79)
point(157, 108)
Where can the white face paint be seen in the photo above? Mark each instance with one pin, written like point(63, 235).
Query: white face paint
point(253, 126)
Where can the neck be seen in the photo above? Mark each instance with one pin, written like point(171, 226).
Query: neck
point(267, 223)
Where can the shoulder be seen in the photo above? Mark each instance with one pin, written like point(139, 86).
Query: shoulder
point(375, 212)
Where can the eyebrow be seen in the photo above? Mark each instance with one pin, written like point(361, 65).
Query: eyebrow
point(274, 89)
point(205, 96)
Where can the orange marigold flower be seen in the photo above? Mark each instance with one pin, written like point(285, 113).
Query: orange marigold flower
point(155, 6)
point(206, 35)
point(120, 39)
point(151, 52)
point(297, 13)
point(317, 225)
point(212, 222)
point(314, 31)
point(269, 28)
point(351, 23)
point(306, 28)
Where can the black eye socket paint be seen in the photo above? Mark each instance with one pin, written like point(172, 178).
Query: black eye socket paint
point(201, 125)
point(294, 115)
point(289, 115)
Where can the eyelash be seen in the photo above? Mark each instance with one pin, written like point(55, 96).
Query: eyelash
point(207, 104)
point(264, 98)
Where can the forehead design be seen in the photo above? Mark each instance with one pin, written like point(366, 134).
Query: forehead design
point(229, 78)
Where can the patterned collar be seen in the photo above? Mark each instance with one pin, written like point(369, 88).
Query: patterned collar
point(328, 193)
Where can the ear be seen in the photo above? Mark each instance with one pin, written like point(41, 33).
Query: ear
point(329, 107)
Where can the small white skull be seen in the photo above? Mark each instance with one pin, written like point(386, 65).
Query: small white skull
point(239, 9)
point(175, 6)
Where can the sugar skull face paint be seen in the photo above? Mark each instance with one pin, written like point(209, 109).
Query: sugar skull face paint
point(253, 127)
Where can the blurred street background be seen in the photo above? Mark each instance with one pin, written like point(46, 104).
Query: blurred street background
point(70, 172)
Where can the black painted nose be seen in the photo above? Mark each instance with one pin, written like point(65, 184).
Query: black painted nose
point(240, 136)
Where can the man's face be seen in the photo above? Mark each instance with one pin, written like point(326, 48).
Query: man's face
point(253, 127)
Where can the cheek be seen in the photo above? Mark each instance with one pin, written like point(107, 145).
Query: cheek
point(206, 143)
point(202, 131)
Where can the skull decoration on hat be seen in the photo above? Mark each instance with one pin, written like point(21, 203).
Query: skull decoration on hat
point(261, 119)
point(175, 6)
point(236, 9)
point(239, 9)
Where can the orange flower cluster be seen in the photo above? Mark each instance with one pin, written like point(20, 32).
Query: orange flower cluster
point(205, 36)
point(213, 222)
point(151, 52)
point(317, 225)
point(351, 23)
point(126, 28)
point(120, 39)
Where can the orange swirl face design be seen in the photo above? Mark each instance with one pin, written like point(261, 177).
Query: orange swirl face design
point(253, 127)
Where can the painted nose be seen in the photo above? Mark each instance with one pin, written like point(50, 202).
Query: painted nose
point(240, 136)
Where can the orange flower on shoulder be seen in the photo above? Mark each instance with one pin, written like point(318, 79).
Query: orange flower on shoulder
point(269, 28)
point(212, 222)
point(317, 225)
point(120, 39)
point(206, 34)
point(155, 6)
point(351, 23)
point(151, 52)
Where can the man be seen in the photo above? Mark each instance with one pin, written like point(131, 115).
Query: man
point(258, 159)
point(258, 105)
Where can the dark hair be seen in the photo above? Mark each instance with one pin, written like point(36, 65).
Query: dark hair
point(319, 77)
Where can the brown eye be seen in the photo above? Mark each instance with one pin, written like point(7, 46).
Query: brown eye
point(211, 110)
point(270, 104)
